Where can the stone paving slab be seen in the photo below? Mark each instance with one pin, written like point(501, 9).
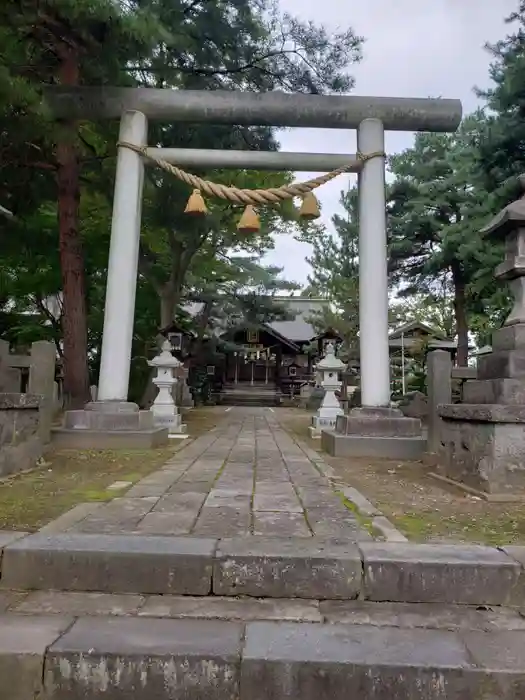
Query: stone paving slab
point(78, 604)
point(107, 563)
point(343, 661)
point(435, 573)
point(243, 608)
point(227, 608)
point(124, 657)
point(195, 647)
point(276, 567)
point(9, 536)
point(279, 568)
point(148, 658)
point(23, 643)
point(423, 615)
point(247, 468)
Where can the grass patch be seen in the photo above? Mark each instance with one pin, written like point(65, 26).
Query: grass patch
point(68, 477)
point(506, 528)
point(363, 520)
point(420, 507)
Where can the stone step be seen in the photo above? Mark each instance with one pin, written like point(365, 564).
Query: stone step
point(241, 399)
point(247, 609)
point(307, 568)
point(63, 658)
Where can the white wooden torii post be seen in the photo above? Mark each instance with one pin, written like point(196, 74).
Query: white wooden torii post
point(371, 116)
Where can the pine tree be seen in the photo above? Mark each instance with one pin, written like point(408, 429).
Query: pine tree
point(436, 208)
point(335, 273)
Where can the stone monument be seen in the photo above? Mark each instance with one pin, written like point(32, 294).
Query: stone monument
point(483, 439)
point(328, 368)
point(164, 409)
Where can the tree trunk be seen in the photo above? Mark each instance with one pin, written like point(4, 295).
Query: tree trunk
point(460, 313)
point(74, 316)
point(169, 300)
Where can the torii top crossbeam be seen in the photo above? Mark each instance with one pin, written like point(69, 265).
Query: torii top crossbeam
point(263, 109)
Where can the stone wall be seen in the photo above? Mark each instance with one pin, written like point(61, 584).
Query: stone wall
point(21, 443)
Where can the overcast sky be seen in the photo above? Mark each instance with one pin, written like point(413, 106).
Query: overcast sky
point(413, 48)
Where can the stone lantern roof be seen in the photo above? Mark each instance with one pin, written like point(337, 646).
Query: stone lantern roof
point(330, 363)
point(510, 218)
point(165, 358)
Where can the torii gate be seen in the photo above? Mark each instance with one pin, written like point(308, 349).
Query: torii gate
point(371, 116)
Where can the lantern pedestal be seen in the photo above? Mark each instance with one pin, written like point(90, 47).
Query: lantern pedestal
point(328, 368)
point(109, 425)
point(164, 409)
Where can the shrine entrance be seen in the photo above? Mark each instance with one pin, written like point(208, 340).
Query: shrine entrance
point(371, 116)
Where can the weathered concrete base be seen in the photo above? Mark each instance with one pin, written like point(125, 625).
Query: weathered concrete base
point(106, 425)
point(266, 567)
point(337, 445)
point(141, 659)
point(375, 432)
point(21, 440)
point(378, 422)
point(489, 497)
point(483, 446)
point(108, 440)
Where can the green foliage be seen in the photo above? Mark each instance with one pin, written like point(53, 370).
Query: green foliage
point(502, 151)
point(182, 44)
point(335, 273)
point(436, 207)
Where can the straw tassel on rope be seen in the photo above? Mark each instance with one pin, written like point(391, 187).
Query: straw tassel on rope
point(249, 221)
point(310, 207)
point(196, 204)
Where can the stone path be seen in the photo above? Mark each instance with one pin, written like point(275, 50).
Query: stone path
point(105, 603)
point(246, 477)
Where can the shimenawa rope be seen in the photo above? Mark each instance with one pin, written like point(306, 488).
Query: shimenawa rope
point(272, 195)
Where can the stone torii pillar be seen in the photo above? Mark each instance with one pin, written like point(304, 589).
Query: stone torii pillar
point(373, 273)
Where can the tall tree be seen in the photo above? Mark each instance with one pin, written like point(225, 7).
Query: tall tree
point(502, 151)
point(58, 41)
point(436, 207)
point(248, 45)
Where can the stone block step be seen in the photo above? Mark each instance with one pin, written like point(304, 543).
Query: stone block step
point(266, 567)
point(247, 609)
point(84, 439)
point(63, 658)
point(248, 400)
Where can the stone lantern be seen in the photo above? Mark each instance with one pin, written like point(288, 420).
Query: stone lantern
point(164, 409)
point(483, 438)
point(328, 368)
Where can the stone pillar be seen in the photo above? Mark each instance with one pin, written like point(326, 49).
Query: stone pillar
point(119, 311)
point(439, 387)
point(42, 383)
point(187, 401)
point(374, 429)
point(111, 422)
point(9, 376)
point(484, 437)
point(373, 274)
